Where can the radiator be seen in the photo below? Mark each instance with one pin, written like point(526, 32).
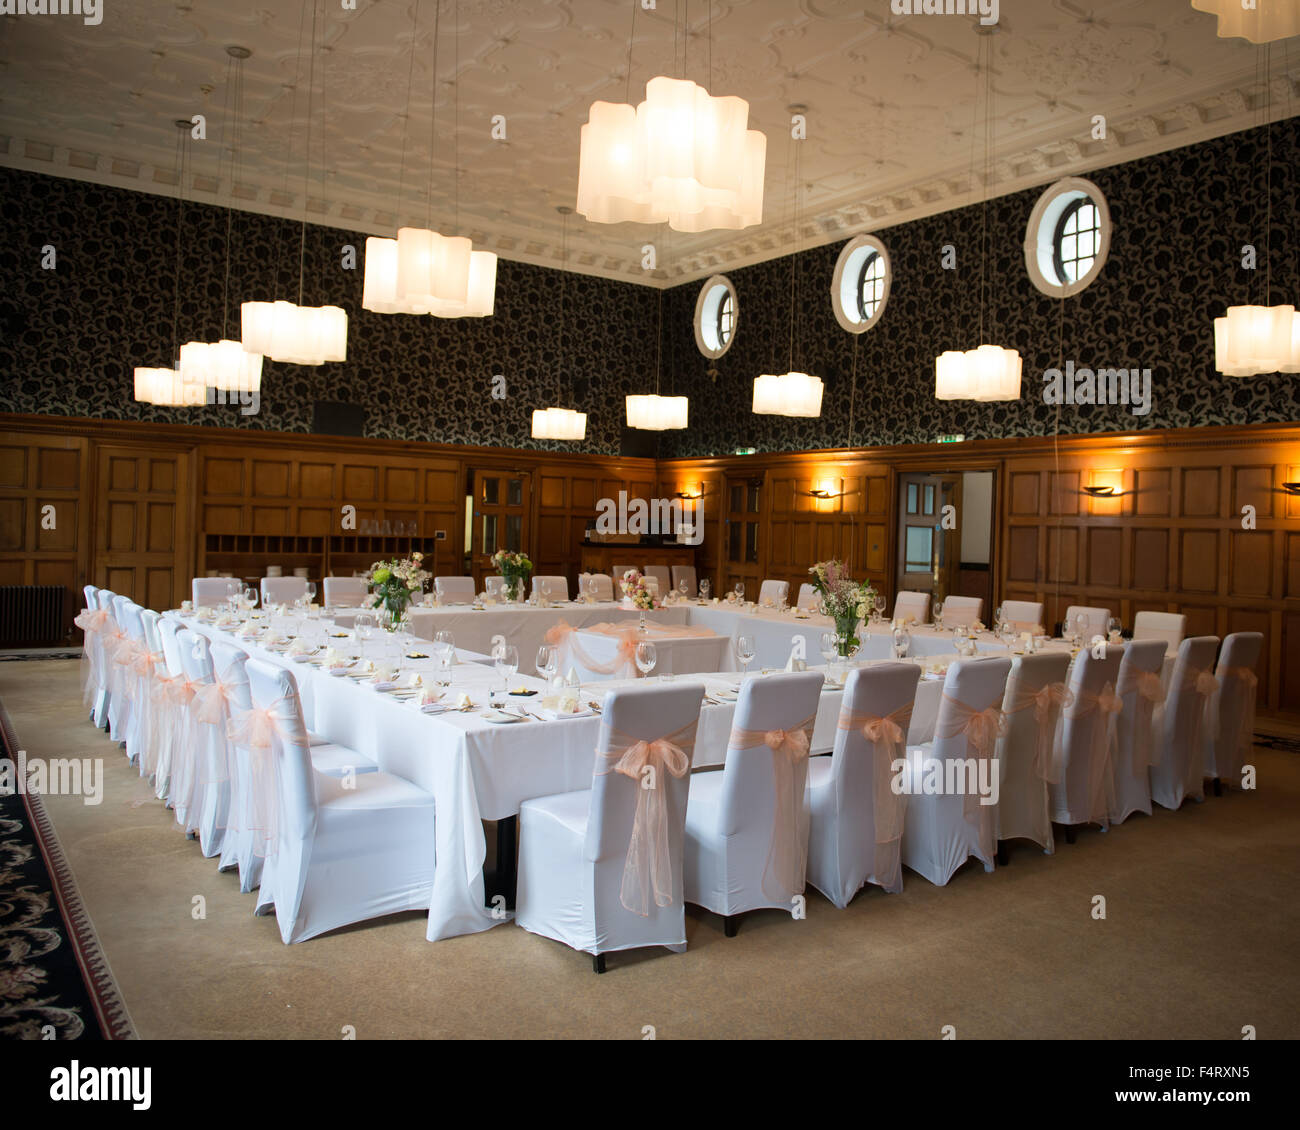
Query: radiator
point(31, 615)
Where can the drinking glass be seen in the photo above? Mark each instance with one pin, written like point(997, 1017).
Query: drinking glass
point(445, 640)
point(902, 643)
point(1114, 628)
point(745, 652)
point(442, 667)
point(1007, 631)
point(997, 614)
point(646, 657)
point(548, 660)
point(706, 587)
point(879, 603)
point(311, 592)
point(683, 588)
point(739, 589)
point(938, 614)
point(506, 659)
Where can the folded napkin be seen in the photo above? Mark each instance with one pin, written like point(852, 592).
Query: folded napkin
point(336, 659)
point(298, 647)
point(432, 696)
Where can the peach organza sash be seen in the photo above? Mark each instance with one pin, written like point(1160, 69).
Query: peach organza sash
point(1244, 739)
point(787, 854)
point(175, 699)
point(647, 872)
point(1150, 691)
point(1201, 682)
point(563, 635)
point(1103, 746)
point(256, 730)
point(92, 622)
point(1047, 703)
point(982, 729)
point(887, 734)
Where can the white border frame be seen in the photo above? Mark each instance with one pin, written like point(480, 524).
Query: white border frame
point(706, 305)
point(844, 285)
point(1040, 248)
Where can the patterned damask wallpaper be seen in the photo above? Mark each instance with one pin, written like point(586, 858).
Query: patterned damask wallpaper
point(1180, 220)
point(70, 337)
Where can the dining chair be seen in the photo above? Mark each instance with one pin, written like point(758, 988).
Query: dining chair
point(208, 760)
point(120, 651)
point(747, 826)
point(1231, 733)
point(962, 610)
point(589, 860)
point(171, 716)
point(104, 598)
point(211, 592)
point(662, 576)
point(855, 818)
point(94, 689)
point(135, 681)
point(551, 588)
point(1095, 620)
point(914, 604)
point(944, 829)
point(1080, 790)
point(1036, 691)
point(1168, 626)
point(455, 590)
point(777, 592)
point(685, 573)
point(808, 597)
point(1022, 615)
point(1140, 689)
point(342, 851)
point(1181, 725)
point(155, 671)
point(282, 590)
point(599, 585)
point(345, 592)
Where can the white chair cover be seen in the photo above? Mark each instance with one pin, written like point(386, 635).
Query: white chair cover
point(855, 818)
point(598, 585)
point(237, 846)
point(778, 592)
point(152, 670)
point(346, 592)
point(91, 623)
point(1023, 615)
point(119, 655)
point(1231, 731)
point(456, 590)
point(211, 592)
point(1080, 792)
point(914, 604)
point(961, 610)
point(601, 869)
point(662, 577)
point(1035, 695)
point(172, 695)
point(552, 588)
point(1095, 618)
point(106, 627)
point(342, 854)
point(1168, 626)
point(1178, 768)
point(282, 590)
point(1140, 691)
point(747, 827)
point(808, 596)
point(685, 573)
point(944, 829)
point(136, 680)
point(208, 764)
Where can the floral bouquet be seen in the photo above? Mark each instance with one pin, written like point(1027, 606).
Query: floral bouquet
point(396, 582)
point(514, 568)
point(636, 590)
point(843, 599)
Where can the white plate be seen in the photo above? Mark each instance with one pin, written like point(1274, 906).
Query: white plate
point(501, 717)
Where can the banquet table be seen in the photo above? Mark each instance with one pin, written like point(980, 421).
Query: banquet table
point(607, 650)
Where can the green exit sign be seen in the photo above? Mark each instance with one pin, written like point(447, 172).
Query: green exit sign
point(951, 439)
point(746, 450)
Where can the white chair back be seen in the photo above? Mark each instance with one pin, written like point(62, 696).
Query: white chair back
point(167, 629)
point(91, 602)
point(1142, 661)
point(345, 592)
point(457, 590)
point(598, 585)
point(962, 610)
point(228, 663)
point(551, 588)
point(149, 619)
point(1177, 771)
point(1023, 615)
point(211, 592)
point(685, 573)
point(282, 590)
point(1232, 736)
point(1095, 620)
point(105, 598)
point(1024, 749)
point(777, 592)
point(661, 574)
point(1080, 794)
point(975, 683)
point(1168, 626)
point(276, 689)
point(915, 604)
point(807, 596)
point(652, 585)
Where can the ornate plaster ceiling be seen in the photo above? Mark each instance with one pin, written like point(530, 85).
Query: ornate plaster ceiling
point(890, 103)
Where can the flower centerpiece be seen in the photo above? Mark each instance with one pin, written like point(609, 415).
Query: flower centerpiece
point(395, 583)
point(845, 600)
point(514, 568)
point(637, 591)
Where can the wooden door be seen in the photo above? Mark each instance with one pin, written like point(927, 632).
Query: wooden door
point(929, 538)
point(502, 505)
point(143, 528)
point(742, 536)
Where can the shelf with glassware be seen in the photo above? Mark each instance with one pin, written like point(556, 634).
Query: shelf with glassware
point(250, 556)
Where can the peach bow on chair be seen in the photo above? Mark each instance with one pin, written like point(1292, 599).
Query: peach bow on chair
point(564, 634)
point(1244, 740)
point(648, 867)
point(1102, 751)
point(256, 730)
point(787, 855)
point(982, 729)
point(93, 623)
point(1047, 703)
point(887, 734)
point(1150, 691)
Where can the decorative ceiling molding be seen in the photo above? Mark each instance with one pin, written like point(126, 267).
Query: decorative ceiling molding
point(890, 110)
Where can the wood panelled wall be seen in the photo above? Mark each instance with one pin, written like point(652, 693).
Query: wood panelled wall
point(1200, 523)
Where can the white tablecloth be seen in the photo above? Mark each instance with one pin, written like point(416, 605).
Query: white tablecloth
point(596, 655)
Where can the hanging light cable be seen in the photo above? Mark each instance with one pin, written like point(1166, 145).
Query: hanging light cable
point(561, 423)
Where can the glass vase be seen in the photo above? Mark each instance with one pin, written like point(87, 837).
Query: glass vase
point(846, 635)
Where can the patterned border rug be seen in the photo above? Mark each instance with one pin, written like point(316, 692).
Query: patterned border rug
point(55, 982)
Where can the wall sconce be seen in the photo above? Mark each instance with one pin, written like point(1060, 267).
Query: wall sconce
point(1291, 488)
point(686, 495)
point(1101, 492)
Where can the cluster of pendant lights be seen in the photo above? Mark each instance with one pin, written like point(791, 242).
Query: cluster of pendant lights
point(1260, 21)
point(1250, 340)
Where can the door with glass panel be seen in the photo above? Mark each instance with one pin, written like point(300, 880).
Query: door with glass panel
point(742, 534)
point(501, 502)
point(927, 551)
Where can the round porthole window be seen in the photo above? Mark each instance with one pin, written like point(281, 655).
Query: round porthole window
point(860, 286)
point(717, 314)
point(1068, 237)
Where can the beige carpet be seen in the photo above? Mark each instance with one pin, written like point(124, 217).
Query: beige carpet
point(1199, 937)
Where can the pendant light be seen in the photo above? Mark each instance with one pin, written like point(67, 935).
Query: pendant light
point(561, 423)
point(652, 412)
point(422, 271)
point(1252, 340)
point(990, 372)
point(790, 393)
point(288, 331)
point(1263, 22)
point(169, 387)
point(681, 157)
point(224, 364)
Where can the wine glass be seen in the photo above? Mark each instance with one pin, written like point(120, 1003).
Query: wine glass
point(1114, 629)
point(683, 588)
point(1007, 632)
point(548, 660)
point(938, 614)
point(506, 658)
point(706, 587)
point(997, 614)
point(879, 603)
point(442, 667)
point(311, 592)
point(646, 657)
point(739, 589)
point(902, 642)
point(744, 646)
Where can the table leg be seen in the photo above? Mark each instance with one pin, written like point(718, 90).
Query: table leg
point(503, 880)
